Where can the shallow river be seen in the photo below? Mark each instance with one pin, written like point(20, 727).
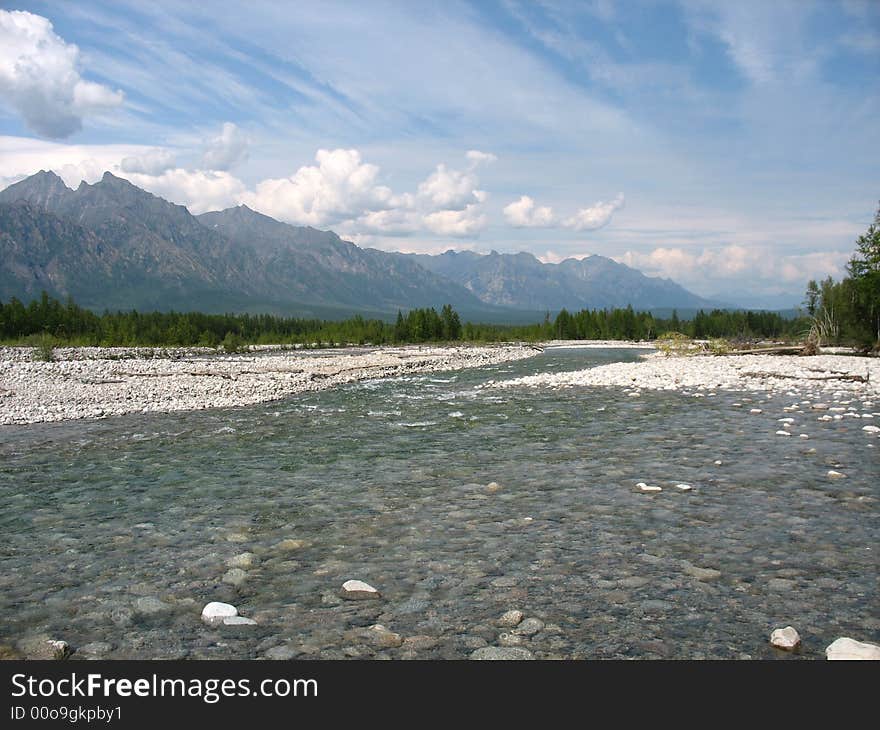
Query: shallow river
point(119, 530)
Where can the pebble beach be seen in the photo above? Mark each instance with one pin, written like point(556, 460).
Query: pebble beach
point(701, 375)
point(101, 382)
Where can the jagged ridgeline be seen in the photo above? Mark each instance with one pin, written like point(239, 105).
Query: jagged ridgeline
point(112, 245)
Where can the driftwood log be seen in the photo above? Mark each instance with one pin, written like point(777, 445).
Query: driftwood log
point(782, 350)
point(836, 376)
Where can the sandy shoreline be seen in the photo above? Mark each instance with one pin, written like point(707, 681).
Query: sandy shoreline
point(99, 382)
point(704, 374)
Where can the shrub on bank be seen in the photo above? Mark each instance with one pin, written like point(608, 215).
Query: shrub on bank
point(44, 347)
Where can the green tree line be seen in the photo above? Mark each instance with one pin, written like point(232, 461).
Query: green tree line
point(849, 310)
point(71, 324)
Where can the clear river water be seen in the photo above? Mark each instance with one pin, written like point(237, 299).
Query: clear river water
point(114, 533)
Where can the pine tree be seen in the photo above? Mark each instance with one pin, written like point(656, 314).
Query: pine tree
point(864, 270)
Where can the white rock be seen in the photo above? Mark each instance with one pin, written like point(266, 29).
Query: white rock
point(787, 638)
point(238, 621)
point(783, 433)
point(215, 612)
point(835, 474)
point(846, 648)
point(355, 590)
point(684, 487)
point(755, 410)
point(649, 487)
point(871, 429)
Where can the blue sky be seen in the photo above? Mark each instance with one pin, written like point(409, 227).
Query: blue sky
point(729, 146)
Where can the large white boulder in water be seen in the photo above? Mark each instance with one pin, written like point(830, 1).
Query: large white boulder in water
point(355, 590)
point(846, 648)
point(787, 638)
point(215, 612)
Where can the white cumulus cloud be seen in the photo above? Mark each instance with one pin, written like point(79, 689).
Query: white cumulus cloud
point(344, 191)
point(393, 222)
point(457, 223)
point(152, 162)
point(596, 216)
point(523, 213)
point(451, 189)
point(341, 186)
point(39, 77)
point(227, 149)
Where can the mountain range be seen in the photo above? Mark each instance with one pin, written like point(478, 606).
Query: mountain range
point(113, 245)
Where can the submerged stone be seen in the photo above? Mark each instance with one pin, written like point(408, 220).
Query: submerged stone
point(235, 577)
point(704, 574)
point(510, 618)
point(502, 653)
point(529, 627)
point(149, 605)
point(44, 647)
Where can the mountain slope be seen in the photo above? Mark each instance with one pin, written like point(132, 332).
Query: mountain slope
point(40, 251)
point(521, 280)
point(321, 266)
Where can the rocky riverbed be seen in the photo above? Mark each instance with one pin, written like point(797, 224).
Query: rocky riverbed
point(430, 516)
point(99, 382)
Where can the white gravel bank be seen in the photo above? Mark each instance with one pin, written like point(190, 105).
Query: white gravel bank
point(92, 383)
point(702, 374)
